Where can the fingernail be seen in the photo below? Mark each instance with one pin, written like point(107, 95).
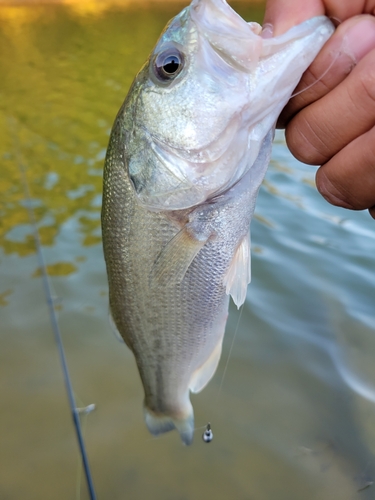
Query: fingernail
point(360, 38)
point(267, 31)
point(329, 190)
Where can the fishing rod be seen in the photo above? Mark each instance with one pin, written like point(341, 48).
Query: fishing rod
point(56, 330)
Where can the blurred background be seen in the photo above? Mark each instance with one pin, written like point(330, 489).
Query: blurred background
point(295, 416)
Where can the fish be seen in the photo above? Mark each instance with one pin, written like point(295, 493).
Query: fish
point(187, 154)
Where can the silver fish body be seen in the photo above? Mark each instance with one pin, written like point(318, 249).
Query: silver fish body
point(187, 154)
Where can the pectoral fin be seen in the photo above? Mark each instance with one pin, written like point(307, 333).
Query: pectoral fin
point(175, 258)
point(203, 375)
point(238, 275)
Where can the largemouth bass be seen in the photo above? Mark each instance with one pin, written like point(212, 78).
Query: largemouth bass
point(187, 154)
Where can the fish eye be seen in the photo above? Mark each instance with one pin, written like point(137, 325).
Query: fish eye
point(168, 64)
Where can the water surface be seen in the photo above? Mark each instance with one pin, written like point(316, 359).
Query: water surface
point(295, 415)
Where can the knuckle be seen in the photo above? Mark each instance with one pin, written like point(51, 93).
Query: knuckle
point(303, 137)
point(367, 79)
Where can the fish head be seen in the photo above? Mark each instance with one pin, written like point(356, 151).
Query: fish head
point(200, 108)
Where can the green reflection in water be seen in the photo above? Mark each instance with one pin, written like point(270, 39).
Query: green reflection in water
point(3, 297)
point(64, 74)
point(57, 269)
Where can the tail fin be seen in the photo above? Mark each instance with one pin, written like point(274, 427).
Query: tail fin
point(159, 424)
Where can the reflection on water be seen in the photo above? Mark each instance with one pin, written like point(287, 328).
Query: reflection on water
point(295, 416)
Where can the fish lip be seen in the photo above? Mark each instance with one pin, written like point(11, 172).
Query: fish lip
point(216, 21)
point(208, 153)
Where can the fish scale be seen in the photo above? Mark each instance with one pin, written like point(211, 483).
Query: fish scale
point(186, 157)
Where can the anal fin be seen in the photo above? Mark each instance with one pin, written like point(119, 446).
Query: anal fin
point(238, 275)
point(203, 375)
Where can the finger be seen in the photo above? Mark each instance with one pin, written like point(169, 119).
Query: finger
point(320, 130)
point(348, 179)
point(342, 10)
point(284, 14)
point(352, 40)
point(370, 7)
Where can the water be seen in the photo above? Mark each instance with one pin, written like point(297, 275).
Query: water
point(295, 417)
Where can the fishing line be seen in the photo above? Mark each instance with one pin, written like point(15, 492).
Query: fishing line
point(208, 435)
point(229, 355)
point(208, 427)
point(321, 76)
point(52, 314)
point(338, 22)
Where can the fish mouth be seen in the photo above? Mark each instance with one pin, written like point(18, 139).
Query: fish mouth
point(235, 40)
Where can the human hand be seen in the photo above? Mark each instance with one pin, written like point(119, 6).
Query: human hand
point(332, 123)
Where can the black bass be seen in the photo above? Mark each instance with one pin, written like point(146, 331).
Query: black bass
point(187, 154)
